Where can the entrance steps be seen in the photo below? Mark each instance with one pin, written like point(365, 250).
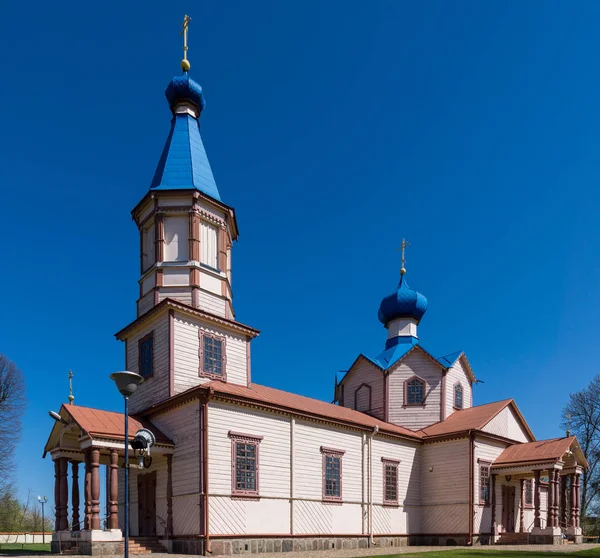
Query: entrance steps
point(513, 538)
point(145, 545)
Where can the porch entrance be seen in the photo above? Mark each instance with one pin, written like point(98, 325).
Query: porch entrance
point(508, 508)
point(146, 486)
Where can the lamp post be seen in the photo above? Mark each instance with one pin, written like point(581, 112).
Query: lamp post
point(42, 500)
point(127, 383)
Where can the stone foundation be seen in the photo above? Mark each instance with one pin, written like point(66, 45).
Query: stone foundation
point(545, 539)
point(89, 548)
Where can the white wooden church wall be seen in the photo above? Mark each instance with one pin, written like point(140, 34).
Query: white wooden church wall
point(156, 388)
point(505, 424)
point(365, 373)
point(406, 516)
point(486, 450)
point(457, 374)
point(183, 427)
point(186, 347)
point(415, 417)
point(445, 487)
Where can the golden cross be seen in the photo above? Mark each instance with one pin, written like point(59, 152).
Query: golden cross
point(185, 65)
point(403, 246)
point(71, 396)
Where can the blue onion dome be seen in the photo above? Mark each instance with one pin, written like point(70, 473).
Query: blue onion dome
point(404, 303)
point(182, 88)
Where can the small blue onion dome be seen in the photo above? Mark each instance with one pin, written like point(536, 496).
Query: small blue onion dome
point(182, 88)
point(404, 303)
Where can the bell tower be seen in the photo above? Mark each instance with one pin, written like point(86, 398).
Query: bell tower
point(186, 231)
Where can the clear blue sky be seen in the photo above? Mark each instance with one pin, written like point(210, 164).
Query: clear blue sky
point(334, 128)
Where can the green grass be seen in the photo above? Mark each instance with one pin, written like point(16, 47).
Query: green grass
point(497, 552)
point(22, 549)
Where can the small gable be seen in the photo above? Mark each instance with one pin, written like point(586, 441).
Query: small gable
point(509, 423)
point(362, 388)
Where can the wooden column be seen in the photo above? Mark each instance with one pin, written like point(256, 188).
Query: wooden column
point(563, 501)
point(194, 235)
point(522, 508)
point(551, 496)
point(95, 489)
point(75, 526)
point(170, 495)
point(57, 495)
point(493, 503)
point(222, 250)
point(87, 489)
point(113, 490)
point(64, 495)
point(536, 500)
point(577, 501)
point(159, 237)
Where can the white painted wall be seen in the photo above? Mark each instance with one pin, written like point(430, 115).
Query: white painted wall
point(457, 375)
point(156, 388)
point(506, 424)
point(402, 327)
point(208, 244)
point(176, 238)
point(364, 372)
point(213, 304)
point(187, 344)
point(415, 417)
point(445, 487)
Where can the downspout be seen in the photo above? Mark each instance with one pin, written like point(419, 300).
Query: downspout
point(203, 411)
point(370, 523)
point(292, 428)
point(471, 478)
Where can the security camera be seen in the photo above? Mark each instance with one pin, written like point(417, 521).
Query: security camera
point(143, 440)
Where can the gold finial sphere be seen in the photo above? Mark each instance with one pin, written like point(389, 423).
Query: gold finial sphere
point(402, 271)
point(185, 65)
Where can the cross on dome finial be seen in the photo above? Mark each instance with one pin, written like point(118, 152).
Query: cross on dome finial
point(405, 244)
point(185, 65)
point(568, 432)
point(71, 396)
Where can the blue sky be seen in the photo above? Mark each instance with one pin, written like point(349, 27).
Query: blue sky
point(334, 129)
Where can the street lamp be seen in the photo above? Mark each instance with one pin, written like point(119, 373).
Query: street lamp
point(42, 500)
point(127, 383)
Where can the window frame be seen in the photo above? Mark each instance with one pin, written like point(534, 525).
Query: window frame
point(458, 386)
point(424, 384)
point(336, 453)
point(246, 439)
point(141, 341)
point(487, 465)
point(388, 462)
point(528, 505)
point(203, 373)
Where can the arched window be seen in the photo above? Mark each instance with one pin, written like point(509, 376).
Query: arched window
point(415, 391)
point(458, 396)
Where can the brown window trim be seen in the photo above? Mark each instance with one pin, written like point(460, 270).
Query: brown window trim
point(488, 464)
point(385, 462)
point(201, 373)
point(331, 452)
point(454, 406)
point(242, 438)
point(140, 342)
point(424, 382)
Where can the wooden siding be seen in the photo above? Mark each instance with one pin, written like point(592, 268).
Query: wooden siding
point(183, 427)
point(363, 372)
point(486, 451)
point(211, 303)
point(186, 359)
point(183, 294)
point(506, 424)
point(145, 303)
point(445, 488)
point(156, 388)
point(415, 417)
point(457, 374)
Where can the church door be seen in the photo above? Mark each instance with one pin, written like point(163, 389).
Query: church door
point(508, 508)
point(147, 504)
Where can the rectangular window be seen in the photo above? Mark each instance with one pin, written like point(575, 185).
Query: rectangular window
point(528, 493)
point(244, 464)
point(212, 356)
point(415, 391)
point(209, 245)
point(146, 356)
point(332, 474)
point(390, 481)
point(458, 396)
point(484, 483)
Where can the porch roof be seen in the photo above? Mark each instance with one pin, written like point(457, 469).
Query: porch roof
point(542, 450)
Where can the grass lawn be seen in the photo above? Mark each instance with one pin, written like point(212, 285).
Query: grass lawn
point(22, 549)
point(497, 552)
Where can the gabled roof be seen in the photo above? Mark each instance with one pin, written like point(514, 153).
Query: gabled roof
point(99, 424)
point(473, 418)
point(542, 450)
point(184, 163)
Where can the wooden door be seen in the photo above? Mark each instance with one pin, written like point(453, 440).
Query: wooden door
point(147, 504)
point(508, 508)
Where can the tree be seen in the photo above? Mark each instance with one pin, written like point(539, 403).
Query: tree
point(12, 406)
point(582, 416)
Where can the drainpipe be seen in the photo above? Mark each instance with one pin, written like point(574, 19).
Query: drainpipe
point(292, 428)
point(371, 539)
point(471, 478)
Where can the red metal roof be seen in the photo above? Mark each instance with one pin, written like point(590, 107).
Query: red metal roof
point(106, 424)
point(542, 450)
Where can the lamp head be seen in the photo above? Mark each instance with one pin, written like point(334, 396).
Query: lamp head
point(57, 417)
point(127, 382)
